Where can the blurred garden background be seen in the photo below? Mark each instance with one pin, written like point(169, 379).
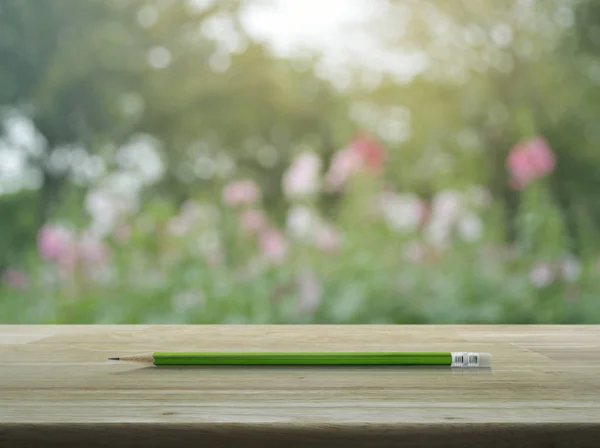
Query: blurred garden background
point(299, 161)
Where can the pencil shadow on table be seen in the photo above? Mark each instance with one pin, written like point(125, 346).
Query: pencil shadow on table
point(403, 370)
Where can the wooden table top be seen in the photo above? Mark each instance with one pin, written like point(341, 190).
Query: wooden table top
point(55, 381)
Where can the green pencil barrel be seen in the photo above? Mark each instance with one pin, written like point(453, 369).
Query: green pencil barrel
point(256, 359)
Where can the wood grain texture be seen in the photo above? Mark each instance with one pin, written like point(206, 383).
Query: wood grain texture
point(56, 385)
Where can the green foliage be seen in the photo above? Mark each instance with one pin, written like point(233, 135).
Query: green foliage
point(93, 76)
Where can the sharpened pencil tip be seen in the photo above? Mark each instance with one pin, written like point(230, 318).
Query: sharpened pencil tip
point(114, 359)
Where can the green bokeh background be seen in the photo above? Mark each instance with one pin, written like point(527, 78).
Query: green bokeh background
point(217, 104)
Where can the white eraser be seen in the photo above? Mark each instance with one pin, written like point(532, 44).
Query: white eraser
point(485, 360)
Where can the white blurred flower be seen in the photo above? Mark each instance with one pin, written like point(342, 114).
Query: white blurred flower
point(22, 133)
point(59, 160)
point(123, 183)
point(12, 162)
point(302, 179)
point(176, 226)
point(437, 233)
point(184, 301)
point(447, 205)
point(142, 156)
point(402, 212)
point(470, 227)
point(571, 268)
point(541, 275)
point(87, 170)
point(449, 212)
point(328, 239)
point(106, 209)
point(302, 222)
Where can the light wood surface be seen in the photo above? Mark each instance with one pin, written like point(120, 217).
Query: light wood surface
point(56, 382)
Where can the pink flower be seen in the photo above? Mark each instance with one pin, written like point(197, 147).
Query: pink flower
point(15, 278)
point(362, 153)
point(344, 164)
point(530, 160)
point(243, 192)
point(542, 275)
point(56, 243)
point(301, 180)
point(371, 151)
point(252, 221)
point(328, 240)
point(273, 245)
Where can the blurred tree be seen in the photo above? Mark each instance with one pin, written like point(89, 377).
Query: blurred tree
point(93, 74)
point(494, 73)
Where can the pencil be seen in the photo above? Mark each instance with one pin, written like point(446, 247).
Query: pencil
point(450, 359)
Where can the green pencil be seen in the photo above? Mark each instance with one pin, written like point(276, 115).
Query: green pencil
point(450, 359)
